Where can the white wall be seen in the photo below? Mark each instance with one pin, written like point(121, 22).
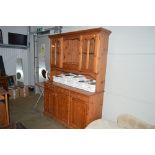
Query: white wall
point(130, 84)
point(130, 76)
point(10, 56)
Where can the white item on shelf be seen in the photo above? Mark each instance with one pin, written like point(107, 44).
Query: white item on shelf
point(77, 81)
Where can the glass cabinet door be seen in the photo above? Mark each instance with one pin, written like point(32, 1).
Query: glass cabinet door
point(56, 52)
point(88, 53)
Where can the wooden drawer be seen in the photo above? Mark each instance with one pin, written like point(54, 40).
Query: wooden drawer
point(47, 85)
point(80, 96)
point(60, 90)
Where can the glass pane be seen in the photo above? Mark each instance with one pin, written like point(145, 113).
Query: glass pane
point(91, 54)
point(88, 56)
point(52, 54)
point(84, 53)
point(57, 52)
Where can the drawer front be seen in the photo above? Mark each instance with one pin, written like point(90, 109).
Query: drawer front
point(80, 96)
point(48, 85)
point(60, 90)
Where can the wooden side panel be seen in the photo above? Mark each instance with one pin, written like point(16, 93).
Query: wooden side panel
point(102, 62)
point(95, 107)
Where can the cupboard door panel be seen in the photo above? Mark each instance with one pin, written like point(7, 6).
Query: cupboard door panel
point(52, 103)
point(78, 112)
point(71, 53)
point(49, 101)
point(62, 101)
point(63, 107)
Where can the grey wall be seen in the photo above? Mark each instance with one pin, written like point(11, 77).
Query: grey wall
point(10, 55)
point(39, 40)
point(44, 56)
point(13, 29)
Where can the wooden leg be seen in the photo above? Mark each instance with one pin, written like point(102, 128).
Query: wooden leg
point(7, 110)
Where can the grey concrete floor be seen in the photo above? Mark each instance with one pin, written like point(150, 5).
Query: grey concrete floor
point(22, 110)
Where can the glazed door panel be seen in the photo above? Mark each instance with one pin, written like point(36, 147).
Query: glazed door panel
point(89, 53)
point(56, 52)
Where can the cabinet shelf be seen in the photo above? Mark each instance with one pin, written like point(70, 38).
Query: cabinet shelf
point(89, 53)
point(87, 74)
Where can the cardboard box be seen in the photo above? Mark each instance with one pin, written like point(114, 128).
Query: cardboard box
point(17, 91)
point(23, 91)
point(14, 93)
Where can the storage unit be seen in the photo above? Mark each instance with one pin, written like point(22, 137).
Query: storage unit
point(85, 53)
